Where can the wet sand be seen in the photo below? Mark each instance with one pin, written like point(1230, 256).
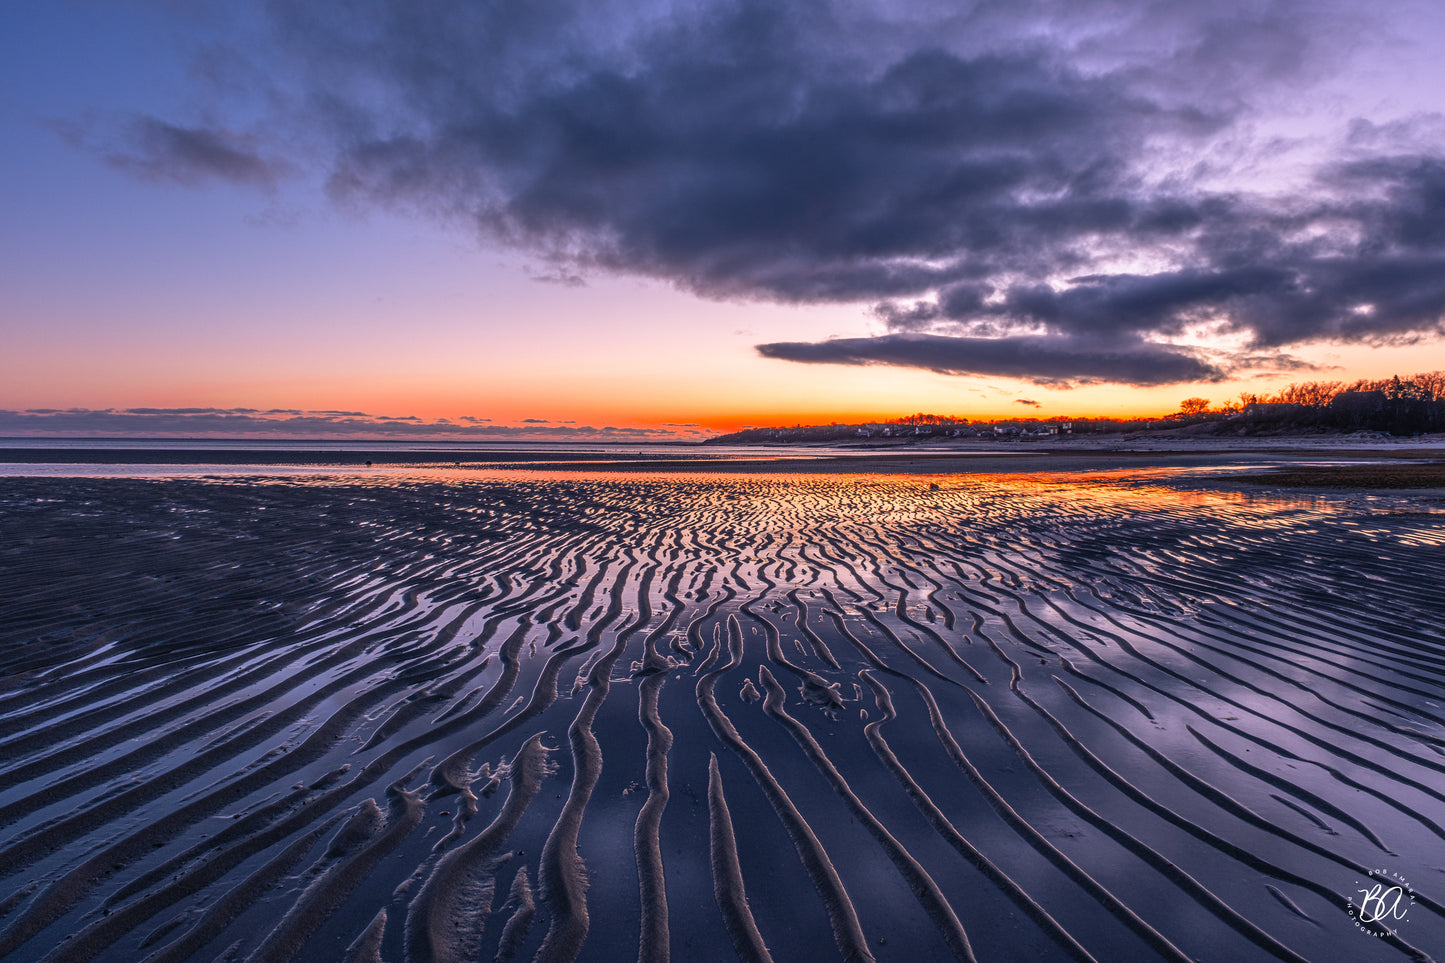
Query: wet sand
point(1135, 711)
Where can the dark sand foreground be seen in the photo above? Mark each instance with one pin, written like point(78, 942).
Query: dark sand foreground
point(512, 715)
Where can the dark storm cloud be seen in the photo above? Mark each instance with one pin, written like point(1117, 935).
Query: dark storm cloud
point(1364, 263)
point(161, 151)
point(976, 174)
point(754, 151)
point(1044, 359)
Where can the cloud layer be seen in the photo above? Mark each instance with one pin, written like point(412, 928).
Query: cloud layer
point(290, 423)
point(1046, 359)
point(1040, 190)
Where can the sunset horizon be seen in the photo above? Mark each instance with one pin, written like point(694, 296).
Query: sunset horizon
point(332, 424)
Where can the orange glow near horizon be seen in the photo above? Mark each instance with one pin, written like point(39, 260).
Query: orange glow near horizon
point(808, 396)
point(634, 355)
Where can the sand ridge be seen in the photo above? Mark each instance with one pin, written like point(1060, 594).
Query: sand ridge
point(518, 715)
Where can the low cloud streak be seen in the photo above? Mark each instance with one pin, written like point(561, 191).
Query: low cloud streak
point(287, 424)
point(1053, 361)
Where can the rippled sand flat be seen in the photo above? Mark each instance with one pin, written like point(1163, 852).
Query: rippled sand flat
point(413, 717)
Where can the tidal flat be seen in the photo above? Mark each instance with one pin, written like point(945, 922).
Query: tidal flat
point(472, 715)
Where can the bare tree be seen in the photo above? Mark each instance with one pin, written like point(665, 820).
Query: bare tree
point(1316, 393)
point(1433, 382)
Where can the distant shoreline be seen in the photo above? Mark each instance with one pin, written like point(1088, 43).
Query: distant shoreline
point(1402, 464)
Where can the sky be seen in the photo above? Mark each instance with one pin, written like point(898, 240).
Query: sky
point(603, 219)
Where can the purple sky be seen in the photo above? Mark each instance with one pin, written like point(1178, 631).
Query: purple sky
point(637, 216)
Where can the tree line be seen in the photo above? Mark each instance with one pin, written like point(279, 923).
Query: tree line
point(1400, 406)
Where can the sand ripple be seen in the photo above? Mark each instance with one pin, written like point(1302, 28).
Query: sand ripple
point(564, 717)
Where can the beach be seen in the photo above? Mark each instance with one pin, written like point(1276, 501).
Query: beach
point(904, 705)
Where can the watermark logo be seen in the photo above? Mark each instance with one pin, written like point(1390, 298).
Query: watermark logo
point(1381, 903)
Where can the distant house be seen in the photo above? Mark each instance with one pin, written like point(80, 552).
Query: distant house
point(1355, 409)
point(1271, 409)
point(1364, 402)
